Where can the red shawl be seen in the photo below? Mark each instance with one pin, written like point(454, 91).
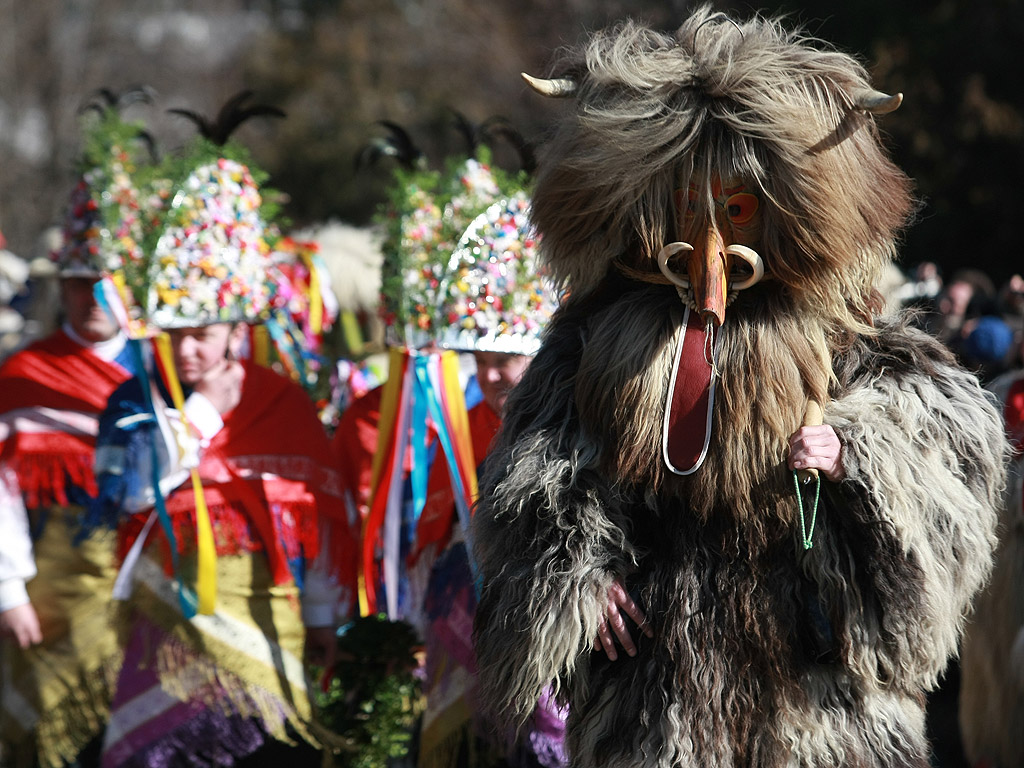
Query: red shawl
point(269, 479)
point(355, 443)
point(51, 394)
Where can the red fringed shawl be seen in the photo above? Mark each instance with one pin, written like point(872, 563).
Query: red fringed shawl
point(51, 394)
point(269, 477)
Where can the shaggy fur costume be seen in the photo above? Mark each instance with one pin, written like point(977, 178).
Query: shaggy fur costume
point(763, 654)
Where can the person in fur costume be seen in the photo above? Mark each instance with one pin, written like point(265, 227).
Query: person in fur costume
point(719, 206)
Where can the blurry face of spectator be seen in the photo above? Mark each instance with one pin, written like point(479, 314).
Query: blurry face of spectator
point(83, 314)
point(497, 373)
point(203, 353)
point(954, 302)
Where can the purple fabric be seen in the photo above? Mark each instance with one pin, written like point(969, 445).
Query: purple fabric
point(450, 605)
point(547, 732)
point(208, 739)
point(186, 733)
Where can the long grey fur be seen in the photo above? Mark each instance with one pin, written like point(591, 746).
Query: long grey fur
point(739, 672)
point(763, 654)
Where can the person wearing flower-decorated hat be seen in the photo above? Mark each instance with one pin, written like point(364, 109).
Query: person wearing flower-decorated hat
point(495, 303)
point(247, 490)
point(423, 221)
point(60, 650)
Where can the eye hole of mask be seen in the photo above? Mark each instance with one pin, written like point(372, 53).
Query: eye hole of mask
point(741, 207)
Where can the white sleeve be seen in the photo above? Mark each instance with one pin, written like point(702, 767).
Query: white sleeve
point(177, 448)
point(321, 593)
point(17, 564)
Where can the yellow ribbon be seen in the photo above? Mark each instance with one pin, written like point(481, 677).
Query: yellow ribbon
point(316, 301)
point(261, 346)
point(352, 334)
point(456, 400)
point(206, 554)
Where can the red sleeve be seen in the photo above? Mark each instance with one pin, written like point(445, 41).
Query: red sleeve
point(1013, 413)
point(355, 442)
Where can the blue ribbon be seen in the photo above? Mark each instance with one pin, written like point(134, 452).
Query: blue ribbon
point(447, 444)
point(420, 395)
point(186, 596)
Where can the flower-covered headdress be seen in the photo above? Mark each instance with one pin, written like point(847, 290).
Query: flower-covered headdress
point(196, 252)
point(103, 218)
point(209, 262)
point(494, 297)
point(427, 213)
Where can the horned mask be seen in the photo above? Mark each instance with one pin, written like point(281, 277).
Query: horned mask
point(728, 156)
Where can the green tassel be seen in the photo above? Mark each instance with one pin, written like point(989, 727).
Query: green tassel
point(806, 533)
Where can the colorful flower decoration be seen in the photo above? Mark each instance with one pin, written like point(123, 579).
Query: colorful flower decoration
point(301, 287)
point(495, 298)
point(427, 214)
point(210, 263)
point(103, 225)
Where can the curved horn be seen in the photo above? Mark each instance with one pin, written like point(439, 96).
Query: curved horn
point(667, 253)
point(876, 102)
point(752, 258)
point(560, 88)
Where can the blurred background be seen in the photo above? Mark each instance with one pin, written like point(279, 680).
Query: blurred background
point(339, 66)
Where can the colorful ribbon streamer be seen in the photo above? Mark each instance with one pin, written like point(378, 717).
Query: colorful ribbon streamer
point(383, 466)
point(206, 554)
point(316, 300)
point(261, 345)
point(422, 394)
point(186, 598)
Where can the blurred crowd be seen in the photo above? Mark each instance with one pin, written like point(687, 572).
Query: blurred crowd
point(980, 321)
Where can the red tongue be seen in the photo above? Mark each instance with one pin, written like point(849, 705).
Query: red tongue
point(687, 428)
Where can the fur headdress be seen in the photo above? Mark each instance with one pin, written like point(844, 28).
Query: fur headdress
point(663, 125)
point(720, 99)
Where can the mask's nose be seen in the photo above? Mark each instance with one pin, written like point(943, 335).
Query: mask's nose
point(708, 270)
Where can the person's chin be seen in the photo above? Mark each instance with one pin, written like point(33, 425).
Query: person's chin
point(96, 330)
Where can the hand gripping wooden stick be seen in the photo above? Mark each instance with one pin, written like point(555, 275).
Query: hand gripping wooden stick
point(813, 417)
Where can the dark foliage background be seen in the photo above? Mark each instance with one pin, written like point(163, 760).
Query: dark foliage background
point(339, 66)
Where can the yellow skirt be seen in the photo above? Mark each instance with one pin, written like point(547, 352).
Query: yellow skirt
point(56, 696)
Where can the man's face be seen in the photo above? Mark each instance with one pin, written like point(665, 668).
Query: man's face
point(83, 314)
point(497, 373)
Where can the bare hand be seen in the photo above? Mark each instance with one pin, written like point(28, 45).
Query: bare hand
point(618, 601)
point(22, 624)
point(321, 643)
point(817, 448)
